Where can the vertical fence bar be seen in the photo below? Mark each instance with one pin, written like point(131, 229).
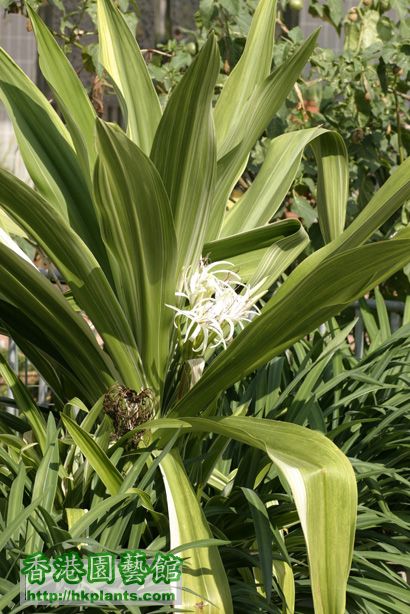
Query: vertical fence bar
point(42, 391)
point(358, 334)
point(395, 321)
point(13, 360)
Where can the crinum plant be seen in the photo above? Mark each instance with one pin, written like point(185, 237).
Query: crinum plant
point(151, 250)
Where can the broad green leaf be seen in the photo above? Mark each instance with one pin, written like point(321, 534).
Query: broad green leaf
point(10, 422)
point(24, 402)
point(70, 93)
point(323, 486)
point(379, 209)
point(74, 515)
point(184, 152)
point(333, 183)
point(265, 195)
point(52, 317)
point(200, 543)
point(291, 313)
point(10, 227)
point(80, 269)
point(7, 240)
point(261, 255)
point(47, 151)
point(138, 231)
point(267, 98)
point(121, 57)
point(253, 67)
point(204, 576)
point(106, 471)
point(41, 352)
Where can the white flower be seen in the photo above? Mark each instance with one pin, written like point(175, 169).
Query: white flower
point(216, 302)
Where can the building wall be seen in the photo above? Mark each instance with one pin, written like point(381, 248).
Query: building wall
point(20, 44)
point(328, 36)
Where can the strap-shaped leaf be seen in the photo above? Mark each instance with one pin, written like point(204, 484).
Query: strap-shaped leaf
point(291, 313)
point(80, 269)
point(10, 227)
point(263, 534)
point(46, 148)
point(261, 107)
point(379, 209)
point(138, 231)
point(70, 93)
point(45, 483)
point(6, 239)
point(333, 183)
point(121, 57)
point(384, 203)
point(24, 402)
point(17, 524)
point(107, 472)
point(204, 578)
point(184, 152)
point(42, 353)
point(22, 285)
point(323, 485)
point(264, 197)
point(261, 255)
point(253, 67)
point(15, 503)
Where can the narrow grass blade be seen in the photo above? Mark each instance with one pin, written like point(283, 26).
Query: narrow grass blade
point(24, 402)
point(15, 503)
point(46, 481)
point(97, 458)
point(263, 537)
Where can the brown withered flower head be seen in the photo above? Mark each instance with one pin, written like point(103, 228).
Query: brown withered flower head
point(128, 409)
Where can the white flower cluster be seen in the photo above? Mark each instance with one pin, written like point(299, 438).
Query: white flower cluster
point(216, 302)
